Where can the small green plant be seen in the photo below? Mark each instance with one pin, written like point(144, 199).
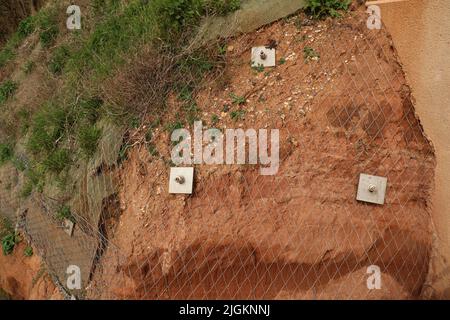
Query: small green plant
point(57, 160)
point(214, 119)
point(28, 252)
point(9, 242)
point(282, 61)
point(7, 89)
point(19, 163)
point(6, 152)
point(28, 67)
point(258, 68)
point(173, 126)
point(123, 152)
point(64, 212)
point(58, 60)
point(27, 189)
point(237, 115)
point(88, 137)
point(185, 93)
point(310, 54)
point(48, 27)
point(320, 9)
point(239, 100)
point(26, 27)
point(47, 128)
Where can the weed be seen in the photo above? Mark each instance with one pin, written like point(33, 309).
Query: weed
point(19, 163)
point(64, 212)
point(88, 110)
point(28, 67)
point(9, 241)
point(6, 152)
point(310, 54)
point(239, 100)
point(26, 27)
point(28, 251)
point(258, 68)
point(27, 189)
point(282, 61)
point(58, 60)
point(47, 128)
point(57, 160)
point(170, 127)
point(48, 26)
point(191, 110)
point(320, 9)
point(123, 152)
point(88, 137)
point(7, 89)
point(237, 115)
point(186, 93)
point(34, 180)
point(214, 119)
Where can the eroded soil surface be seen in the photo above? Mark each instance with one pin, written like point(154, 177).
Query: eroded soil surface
point(300, 233)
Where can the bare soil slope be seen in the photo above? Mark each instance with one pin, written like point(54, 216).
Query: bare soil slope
point(300, 233)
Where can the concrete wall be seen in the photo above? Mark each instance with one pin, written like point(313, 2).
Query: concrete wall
point(421, 33)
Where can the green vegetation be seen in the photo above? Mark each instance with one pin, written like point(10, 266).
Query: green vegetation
point(48, 27)
point(58, 60)
point(88, 137)
point(28, 67)
point(66, 125)
point(237, 115)
point(64, 212)
point(214, 119)
point(239, 100)
point(28, 251)
point(7, 89)
point(6, 152)
point(47, 128)
point(258, 68)
point(320, 9)
point(309, 54)
point(57, 160)
point(8, 237)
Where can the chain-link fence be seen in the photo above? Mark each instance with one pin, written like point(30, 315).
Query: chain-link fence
point(340, 100)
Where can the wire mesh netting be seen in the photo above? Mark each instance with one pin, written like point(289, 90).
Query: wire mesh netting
point(341, 103)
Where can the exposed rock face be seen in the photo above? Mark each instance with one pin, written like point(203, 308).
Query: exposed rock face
point(300, 233)
point(12, 12)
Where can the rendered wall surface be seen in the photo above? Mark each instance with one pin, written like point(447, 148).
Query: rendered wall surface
point(421, 33)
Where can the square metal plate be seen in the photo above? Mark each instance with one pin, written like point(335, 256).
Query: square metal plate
point(68, 227)
point(263, 56)
point(181, 180)
point(371, 189)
